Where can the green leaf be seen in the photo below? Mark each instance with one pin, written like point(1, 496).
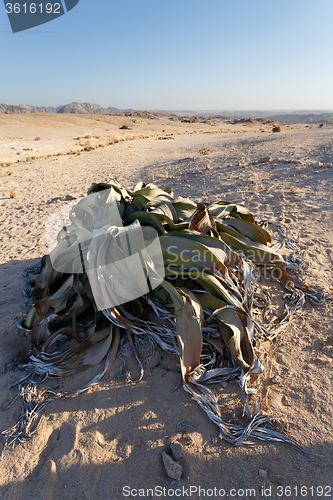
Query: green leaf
point(184, 208)
point(249, 230)
point(188, 324)
point(256, 252)
point(222, 209)
point(209, 301)
point(236, 336)
point(150, 196)
point(145, 219)
point(98, 351)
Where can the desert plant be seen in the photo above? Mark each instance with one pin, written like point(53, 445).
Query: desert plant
point(124, 127)
point(38, 138)
point(201, 310)
point(205, 151)
point(13, 192)
point(276, 129)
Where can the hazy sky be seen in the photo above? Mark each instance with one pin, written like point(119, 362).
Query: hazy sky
point(175, 54)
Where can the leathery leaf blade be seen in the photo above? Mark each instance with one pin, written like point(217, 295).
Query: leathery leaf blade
point(188, 323)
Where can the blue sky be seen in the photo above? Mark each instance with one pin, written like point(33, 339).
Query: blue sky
point(154, 54)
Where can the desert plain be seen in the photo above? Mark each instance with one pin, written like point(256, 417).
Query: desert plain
point(114, 435)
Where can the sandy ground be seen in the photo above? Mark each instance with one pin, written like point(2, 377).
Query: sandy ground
point(114, 435)
point(42, 135)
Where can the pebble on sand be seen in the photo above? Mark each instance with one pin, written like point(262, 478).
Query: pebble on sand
point(177, 450)
point(173, 469)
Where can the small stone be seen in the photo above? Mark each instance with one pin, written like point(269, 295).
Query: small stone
point(285, 401)
point(173, 469)
point(262, 472)
point(276, 379)
point(176, 450)
point(188, 441)
point(267, 159)
point(214, 441)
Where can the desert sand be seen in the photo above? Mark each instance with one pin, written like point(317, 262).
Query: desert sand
point(114, 435)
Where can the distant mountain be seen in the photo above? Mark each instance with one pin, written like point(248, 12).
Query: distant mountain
point(288, 119)
point(7, 109)
point(151, 115)
point(39, 109)
point(117, 110)
point(86, 108)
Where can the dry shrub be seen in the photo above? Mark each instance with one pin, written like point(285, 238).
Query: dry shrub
point(205, 151)
point(38, 138)
point(13, 192)
point(9, 172)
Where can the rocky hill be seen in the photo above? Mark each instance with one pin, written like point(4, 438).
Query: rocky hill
point(7, 109)
point(304, 118)
point(75, 108)
point(315, 117)
point(39, 109)
point(84, 108)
